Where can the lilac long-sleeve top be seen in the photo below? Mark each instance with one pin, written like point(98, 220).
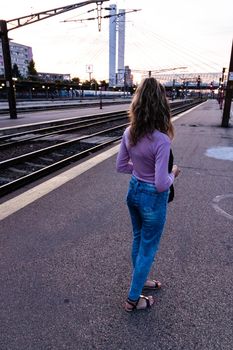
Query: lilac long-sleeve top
point(147, 160)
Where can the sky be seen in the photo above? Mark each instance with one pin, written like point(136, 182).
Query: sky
point(196, 34)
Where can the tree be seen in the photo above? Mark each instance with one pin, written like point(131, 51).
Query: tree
point(93, 84)
point(32, 72)
point(104, 85)
point(76, 80)
point(15, 71)
point(86, 85)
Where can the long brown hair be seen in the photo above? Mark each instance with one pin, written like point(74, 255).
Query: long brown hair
point(149, 111)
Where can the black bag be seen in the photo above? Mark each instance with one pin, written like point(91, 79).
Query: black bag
point(170, 165)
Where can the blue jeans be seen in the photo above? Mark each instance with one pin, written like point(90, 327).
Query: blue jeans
point(147, 208)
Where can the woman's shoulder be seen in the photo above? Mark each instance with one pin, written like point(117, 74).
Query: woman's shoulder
point(161, 137)
point(126, 132)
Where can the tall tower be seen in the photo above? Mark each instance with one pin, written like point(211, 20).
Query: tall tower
point(121, 48)
point(112, 46)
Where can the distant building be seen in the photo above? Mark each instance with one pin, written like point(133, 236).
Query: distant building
point(128, 76)
point(125, 78)
point(53, 76)
point(20, 55)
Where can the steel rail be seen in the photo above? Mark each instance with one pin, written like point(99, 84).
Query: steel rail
point(57, 124)
point(23, 180)
point(27, 156)
point(62, 129)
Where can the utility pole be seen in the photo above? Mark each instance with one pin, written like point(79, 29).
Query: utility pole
point(8, 69)
point(228, 98)
point(26, 20)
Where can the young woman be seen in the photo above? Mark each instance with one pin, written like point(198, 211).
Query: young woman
point(144, 153)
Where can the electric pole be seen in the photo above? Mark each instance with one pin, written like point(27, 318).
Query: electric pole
point(23, 21)
point(8, 69)
point(228, 97)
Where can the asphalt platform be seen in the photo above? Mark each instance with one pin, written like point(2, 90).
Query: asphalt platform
point(65, 257)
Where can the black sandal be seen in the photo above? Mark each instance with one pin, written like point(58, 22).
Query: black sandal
point(134, 304)
point(156, 286)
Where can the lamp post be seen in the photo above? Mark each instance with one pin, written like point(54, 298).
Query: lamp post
point(8, 69)
point(71, 92)
point(44, 93)
point(80, 92)
point(14, 85)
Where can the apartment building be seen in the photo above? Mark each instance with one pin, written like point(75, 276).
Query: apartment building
point(20, 55)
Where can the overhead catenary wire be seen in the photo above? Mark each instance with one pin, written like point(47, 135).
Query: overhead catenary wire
point(102, 17)
point(148, 56)
point(193, 55)
point(151, 59)
point(185, 51)
point(186, 55)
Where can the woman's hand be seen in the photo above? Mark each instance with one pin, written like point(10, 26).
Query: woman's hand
point(175, 170)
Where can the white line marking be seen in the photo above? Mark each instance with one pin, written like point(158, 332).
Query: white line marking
point(215, 205)
point(41, 190)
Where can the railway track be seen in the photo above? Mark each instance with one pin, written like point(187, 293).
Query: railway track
point(86, 136)
point(70, 126)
